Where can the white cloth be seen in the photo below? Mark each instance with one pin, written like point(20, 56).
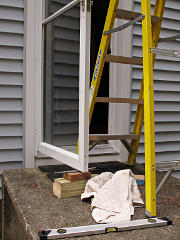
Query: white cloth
point(113, 196)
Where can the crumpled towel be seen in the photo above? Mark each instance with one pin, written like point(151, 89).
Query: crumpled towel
point(113, 196)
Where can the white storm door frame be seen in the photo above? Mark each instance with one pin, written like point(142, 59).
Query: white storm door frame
point(79, 161)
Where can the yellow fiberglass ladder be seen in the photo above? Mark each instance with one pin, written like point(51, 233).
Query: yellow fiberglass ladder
point(151, 26)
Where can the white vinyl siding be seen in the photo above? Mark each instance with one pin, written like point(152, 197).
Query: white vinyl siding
point(166, 86)
point(11, 83)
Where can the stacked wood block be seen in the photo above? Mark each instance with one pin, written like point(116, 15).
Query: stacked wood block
point(73, 184)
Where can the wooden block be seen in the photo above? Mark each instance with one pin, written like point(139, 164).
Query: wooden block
point(77, 176)
point(58, 192)
point(63, 188)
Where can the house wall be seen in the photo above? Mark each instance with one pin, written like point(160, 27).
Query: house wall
point(11, 84)
point(166, 86)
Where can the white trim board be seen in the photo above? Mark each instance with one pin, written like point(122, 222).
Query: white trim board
point(33, 23)
point(120, 83)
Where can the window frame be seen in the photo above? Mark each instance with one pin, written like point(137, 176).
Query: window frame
point(81, 160)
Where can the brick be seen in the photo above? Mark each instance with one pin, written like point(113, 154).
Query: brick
point(77, 176)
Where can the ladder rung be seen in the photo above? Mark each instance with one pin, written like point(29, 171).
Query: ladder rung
point(98, 137)
point(129, 15)
point(124, 60)
point(119, 100)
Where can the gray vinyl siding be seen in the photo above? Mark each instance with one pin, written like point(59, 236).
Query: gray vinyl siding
point(166, 86)
point(11, 84)
point(65, 107)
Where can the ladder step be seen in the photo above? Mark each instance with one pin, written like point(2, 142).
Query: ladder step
point(129, 15)
point(119, 100)
point(124, 60)
point(124, 26)
point(98, 137)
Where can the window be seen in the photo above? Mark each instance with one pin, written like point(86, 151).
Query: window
point(55, 99)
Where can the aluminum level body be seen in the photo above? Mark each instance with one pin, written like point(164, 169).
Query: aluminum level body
point(103, 228)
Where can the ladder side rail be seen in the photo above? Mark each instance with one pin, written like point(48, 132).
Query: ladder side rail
point(149, 135)
point(156, 28)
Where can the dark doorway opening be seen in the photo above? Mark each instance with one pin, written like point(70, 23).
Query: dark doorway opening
point(99, 122)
